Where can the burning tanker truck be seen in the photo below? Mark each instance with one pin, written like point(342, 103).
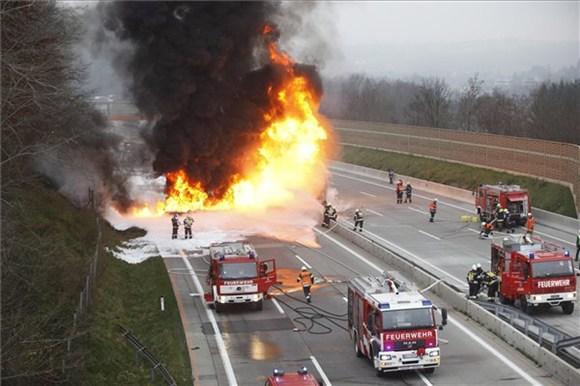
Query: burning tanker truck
point(234, 119)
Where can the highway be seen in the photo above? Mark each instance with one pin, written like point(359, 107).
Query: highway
point(243, 346)
point(448, 246)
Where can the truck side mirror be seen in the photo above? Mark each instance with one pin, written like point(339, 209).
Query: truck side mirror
point(443, 316)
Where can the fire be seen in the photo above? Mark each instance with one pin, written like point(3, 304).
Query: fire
point(289, 158)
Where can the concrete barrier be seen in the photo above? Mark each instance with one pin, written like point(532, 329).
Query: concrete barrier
point(551, 363)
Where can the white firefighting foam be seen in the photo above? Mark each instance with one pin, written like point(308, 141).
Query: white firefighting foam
point(292, 223)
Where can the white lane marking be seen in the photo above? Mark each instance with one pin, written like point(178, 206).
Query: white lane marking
point(367, 194)
point(555, 238)
point(441, 202)
point(345, 299)
point(417, 210)
point(428, 235)
point(375, 212)
point(280, 309)
point(472, 230)
point(320, 371)
point(218, 334)
point(424, 379)
point(414, 194)
point(303, 261)
point(471, 334)
point(354, 253)
point(493, 351)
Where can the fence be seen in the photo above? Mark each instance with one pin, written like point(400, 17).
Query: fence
point(140, 350)
point(554, 161)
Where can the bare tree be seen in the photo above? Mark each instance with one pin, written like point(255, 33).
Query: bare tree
point(469, 104)
point(430, 106)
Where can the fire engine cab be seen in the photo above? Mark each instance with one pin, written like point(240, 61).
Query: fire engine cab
point(396, 330)
point(515, 199)
point(534, 273)
point(237, 275)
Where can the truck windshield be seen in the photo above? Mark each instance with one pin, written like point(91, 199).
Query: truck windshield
point(412, 318)
point(552, 268)
point(238, 270)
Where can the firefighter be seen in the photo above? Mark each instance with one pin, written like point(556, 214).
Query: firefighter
point(530, 224)
point(329, 214)
point(307, 279)
point(491, 281)
point(187, 223)
point(473, 282)
point(577, 245)
point(358, 220)
point(432, 209)
point(500, 217)
point(408, 193)
point(175, 225)
point(486, 229)
point(399, 192)
point(391, 176)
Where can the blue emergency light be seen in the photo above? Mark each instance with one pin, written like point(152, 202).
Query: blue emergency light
point(566, 253)
point(384, 306)
point(531, 255)
point(427, 303)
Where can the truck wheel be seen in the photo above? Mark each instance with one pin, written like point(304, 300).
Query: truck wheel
point(218, 307)
point(504, 300)
point(524, 304)
point(568, 307)
point(259, 305)
point(429, 370)
point(379, 373)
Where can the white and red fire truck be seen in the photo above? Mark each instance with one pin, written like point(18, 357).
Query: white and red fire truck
point(534, 273)
point(512, 197)
point(396, 330)
point(237, 275)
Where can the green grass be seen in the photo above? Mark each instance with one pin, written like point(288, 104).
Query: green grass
point(545, 195)
point(128, 295)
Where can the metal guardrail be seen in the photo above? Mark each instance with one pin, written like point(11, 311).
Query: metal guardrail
point(544, 334)
point(140, 350)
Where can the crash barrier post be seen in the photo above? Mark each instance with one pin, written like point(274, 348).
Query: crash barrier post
point(549, 160)
point(553, 364)
point(143, 352)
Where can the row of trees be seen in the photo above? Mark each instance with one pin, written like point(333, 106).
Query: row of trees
point(550, 112)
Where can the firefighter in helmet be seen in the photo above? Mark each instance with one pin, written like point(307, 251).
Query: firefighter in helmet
point(473, 282)
point(329, 214)
point(486, 229)
point(187, 224)
point(408, 193)
point(174, 225)
point(491, 281)
point(433, 210)
point(358, 220)
point(530, 224)
point(306, 278)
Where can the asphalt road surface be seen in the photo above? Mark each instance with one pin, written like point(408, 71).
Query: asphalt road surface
point(243, 346)
point(448, 247)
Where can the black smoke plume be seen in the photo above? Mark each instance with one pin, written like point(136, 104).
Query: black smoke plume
point(199, 70)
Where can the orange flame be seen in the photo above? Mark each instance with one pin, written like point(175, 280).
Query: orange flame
point(289, 158)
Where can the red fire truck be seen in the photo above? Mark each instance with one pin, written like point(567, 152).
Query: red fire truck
point(515, 199)
point(299, 378)
point(396, 330)
point(237, 275)
point(534, 273)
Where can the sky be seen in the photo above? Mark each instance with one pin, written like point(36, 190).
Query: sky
point(447, 37)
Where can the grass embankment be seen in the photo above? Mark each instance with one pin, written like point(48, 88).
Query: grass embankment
point(545, 195)
point(128, 295)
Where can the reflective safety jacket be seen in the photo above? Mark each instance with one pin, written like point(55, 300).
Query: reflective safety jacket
point(472, 276)
point(358, 216)
point(530, 223)
point(433, 206)
point(306, 278)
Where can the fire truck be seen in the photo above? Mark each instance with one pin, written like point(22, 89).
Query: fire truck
point(534, 273)
point(237, 275)
point(515, 199)
point(394, 328)
point(299, 378)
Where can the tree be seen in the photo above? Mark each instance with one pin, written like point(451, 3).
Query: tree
point(469, 104)
point(430, 105)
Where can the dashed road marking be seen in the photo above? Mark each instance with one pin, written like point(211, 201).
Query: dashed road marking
point(429, 235)
point(280, 309)
point(368, 194)
point(375, 212)
point(303, 261)
point(320, 371)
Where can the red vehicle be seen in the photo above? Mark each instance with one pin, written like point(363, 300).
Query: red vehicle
point(394, 330)
point(299, 378)
point(515, 199)
point(534, 274)
point(237, 275)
